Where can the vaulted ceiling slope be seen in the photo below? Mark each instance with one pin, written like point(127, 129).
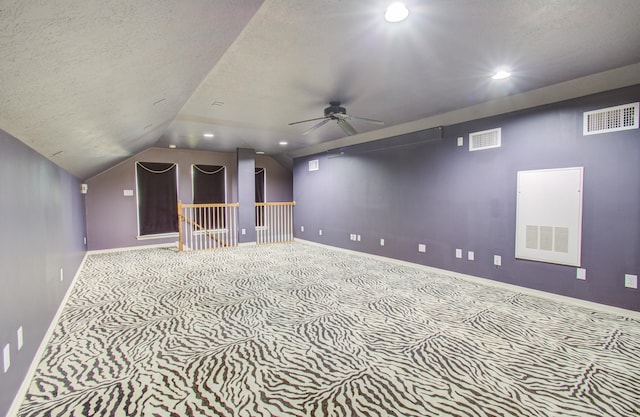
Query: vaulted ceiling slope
point(90, 83)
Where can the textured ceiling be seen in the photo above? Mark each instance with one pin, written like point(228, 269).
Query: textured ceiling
point(88, 84)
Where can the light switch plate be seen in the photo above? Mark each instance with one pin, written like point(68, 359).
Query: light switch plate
point(631, 281)
point(460, 141)
point(381, 242)
point(127, 193)
point(459, 253)
point(320, 232)
point(497, 260)
point(422, 247)
point(581, 273)
point(471, 256)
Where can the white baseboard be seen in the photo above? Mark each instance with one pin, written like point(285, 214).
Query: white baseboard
point(247, 244)
point(142, 247)
point(24, 387)
point(529, 291)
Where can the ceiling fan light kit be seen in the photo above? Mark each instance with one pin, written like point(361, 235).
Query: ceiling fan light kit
point(338, 113)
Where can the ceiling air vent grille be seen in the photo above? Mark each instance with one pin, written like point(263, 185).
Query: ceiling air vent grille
point(314, 165)
point(611, 119)
point(486, 139)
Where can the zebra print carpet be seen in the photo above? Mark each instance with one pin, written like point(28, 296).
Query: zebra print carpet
point(301, 330)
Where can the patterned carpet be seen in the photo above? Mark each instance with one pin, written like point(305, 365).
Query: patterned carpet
point(301, 330)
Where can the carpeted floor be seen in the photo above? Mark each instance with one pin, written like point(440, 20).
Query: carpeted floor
point(302, 330)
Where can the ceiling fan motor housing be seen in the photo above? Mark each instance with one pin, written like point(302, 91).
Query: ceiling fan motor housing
point(334, 108)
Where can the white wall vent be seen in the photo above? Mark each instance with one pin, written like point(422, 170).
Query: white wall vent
point(611, 119)
point(486, 139)
point(314, 165)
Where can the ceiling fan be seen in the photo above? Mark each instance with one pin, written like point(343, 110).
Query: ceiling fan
point(339, 114)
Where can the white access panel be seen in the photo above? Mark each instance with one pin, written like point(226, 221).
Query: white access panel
point(549, 215)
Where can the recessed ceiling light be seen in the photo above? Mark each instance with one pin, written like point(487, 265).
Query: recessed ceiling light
point(208, 135)
point(396, 12)
point(283, 143)
point(172, 146)
point(501, 74)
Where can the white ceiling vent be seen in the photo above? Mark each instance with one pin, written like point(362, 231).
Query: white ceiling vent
point(611, 119)
point(314, 165)
point(486, 139)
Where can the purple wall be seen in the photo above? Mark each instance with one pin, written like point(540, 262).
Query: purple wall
point(42, 218)
point(112, 217)
point(446, 197)
point(279, 180)
point(246, 195)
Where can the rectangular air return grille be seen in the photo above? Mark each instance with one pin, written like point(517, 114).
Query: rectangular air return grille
point(547, 238)
point(314, 165)
point(486, 139)
point(549, 215)
point(611, 119)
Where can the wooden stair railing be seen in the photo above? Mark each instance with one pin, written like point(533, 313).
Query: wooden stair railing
point(207, 226)
point(274, 222)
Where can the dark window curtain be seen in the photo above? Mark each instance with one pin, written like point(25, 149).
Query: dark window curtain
point(157, 197)
point(260, 172)
point(209, 188)
point(208, 184)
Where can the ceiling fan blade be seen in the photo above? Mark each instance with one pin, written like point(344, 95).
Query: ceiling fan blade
point(317, 125)
point(308, 120)
point(377, 122)
point(348, 129)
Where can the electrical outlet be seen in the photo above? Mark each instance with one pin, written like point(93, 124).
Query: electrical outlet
point(243, 231)
point(85, 240)
point(422, 247)
point(581, 273)
point(358, 238)
point(381, 242)
point(460, 141)
point(459, 253)
point(631, 281)
point(471, 256)
point(497, 260)
point(6, 357)
point(302, 228)
point(320, 232)
point(20, 337)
